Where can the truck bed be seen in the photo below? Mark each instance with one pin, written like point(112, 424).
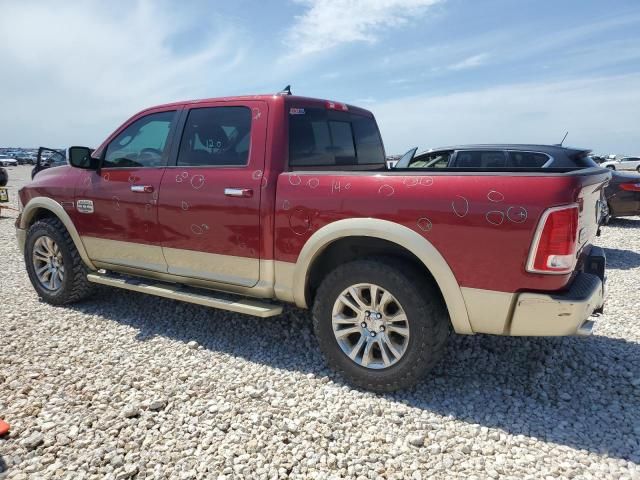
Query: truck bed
point(482, 222)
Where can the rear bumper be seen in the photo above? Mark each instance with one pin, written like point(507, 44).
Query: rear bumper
point(566, 313)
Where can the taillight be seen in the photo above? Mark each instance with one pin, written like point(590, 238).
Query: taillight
point(554, 244)
point(630, 187)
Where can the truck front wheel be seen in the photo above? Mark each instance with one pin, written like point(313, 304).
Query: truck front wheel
point(53, 263)
point(380, 323)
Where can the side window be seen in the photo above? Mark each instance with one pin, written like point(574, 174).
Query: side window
point(481, 159)
point(527, 159)
point(431, 160)
point(141, 144)
point(216, 136)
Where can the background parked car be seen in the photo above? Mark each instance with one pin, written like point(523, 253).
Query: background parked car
point(497, 156)
point(623, 194)
point(4, 176)
point(623, 163)
point(8, 162)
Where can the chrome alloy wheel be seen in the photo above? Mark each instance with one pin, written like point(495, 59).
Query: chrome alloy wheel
point(47, 263)
point(370, 326)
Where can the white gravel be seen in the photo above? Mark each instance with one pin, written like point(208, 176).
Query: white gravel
point(128, 386)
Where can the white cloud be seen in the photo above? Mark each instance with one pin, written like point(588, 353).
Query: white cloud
point(600, 114)
point(329, 23)
point(73, 71)
point(470, 62)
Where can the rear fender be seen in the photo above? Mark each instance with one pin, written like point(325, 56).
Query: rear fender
point(395, 233)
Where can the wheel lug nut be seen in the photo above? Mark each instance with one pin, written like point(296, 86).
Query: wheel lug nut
point(382, 328)
point(373, 334)
point(363, 325)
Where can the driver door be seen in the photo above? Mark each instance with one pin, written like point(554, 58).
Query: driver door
point(117, 208)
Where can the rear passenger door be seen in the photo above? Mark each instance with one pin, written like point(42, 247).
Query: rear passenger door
point(209, 204)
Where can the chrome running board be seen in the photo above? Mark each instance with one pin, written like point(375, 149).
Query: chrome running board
point(207, 298)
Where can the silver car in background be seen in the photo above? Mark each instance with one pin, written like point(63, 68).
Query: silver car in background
point(623, 163)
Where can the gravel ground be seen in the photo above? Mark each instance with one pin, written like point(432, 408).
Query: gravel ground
point(128, 386)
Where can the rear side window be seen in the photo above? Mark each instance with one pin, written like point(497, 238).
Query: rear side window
point(216, 136)
point(527, 159)
point(481, 159)
point(322, 138)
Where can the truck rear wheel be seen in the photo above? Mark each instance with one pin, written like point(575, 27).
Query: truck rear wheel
point(54, 265)
point(380, 324)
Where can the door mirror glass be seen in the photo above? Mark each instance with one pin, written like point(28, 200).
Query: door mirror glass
point(80, 157)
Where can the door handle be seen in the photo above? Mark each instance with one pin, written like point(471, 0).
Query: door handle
point(238, 192)
point(142, 188)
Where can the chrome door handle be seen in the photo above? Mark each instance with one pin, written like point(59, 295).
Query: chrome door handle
point(142, 188)
point(238, 192)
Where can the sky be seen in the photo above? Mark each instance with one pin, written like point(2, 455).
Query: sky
point(434, 72)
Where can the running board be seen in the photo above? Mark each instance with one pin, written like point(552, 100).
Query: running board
point(208, 298)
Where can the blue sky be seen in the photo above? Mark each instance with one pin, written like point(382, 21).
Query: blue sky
point(434, 72)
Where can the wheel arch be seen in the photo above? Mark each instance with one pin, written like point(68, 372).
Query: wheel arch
point(40, 207)
point(403, 239)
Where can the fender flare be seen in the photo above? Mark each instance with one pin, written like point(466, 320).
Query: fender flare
point(45, 203)
point(395, 233)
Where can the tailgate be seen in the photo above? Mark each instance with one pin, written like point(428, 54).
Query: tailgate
point(591, 201)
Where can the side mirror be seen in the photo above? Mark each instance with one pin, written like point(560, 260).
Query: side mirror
point(80, 157)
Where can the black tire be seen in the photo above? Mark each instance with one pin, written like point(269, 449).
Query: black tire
point(75, 286)
point(611, 167)
point(427, 315)
point(4, 177)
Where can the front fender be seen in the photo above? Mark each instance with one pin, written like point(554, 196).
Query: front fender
point(38, 204)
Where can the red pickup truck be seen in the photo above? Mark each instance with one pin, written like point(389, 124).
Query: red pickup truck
point(244, 203)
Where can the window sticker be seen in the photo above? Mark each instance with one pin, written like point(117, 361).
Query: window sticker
point(296, 111)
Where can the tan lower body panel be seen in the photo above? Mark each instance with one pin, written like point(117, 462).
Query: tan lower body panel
point(210, 266)
point(489, 311)
point(284, 275)
point(115, 252)
point(21, 237)
point(153, 259)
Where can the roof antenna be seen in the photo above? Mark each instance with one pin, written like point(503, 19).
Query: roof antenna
point(285, 91)
point(563, 138)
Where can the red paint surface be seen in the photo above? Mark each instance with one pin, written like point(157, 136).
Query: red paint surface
point(481, 254)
